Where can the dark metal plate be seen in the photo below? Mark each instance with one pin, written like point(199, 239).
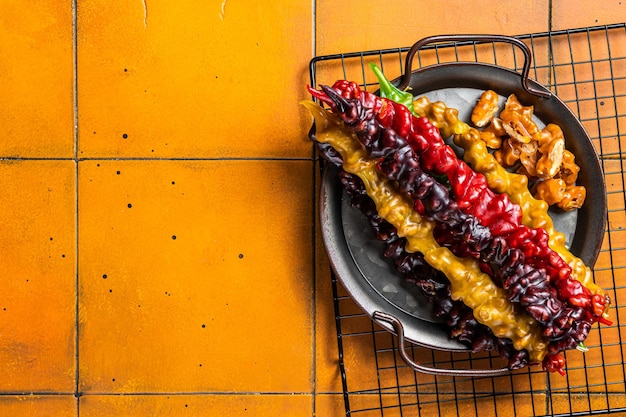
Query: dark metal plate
point(356, 256)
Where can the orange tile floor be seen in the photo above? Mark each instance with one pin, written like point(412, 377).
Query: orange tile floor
point(159, 254)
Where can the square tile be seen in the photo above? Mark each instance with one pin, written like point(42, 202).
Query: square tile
point(38, 246)
point(195, 276)
point(37, 100)
point(363, 25)
point(39, 405)
point(443, 404)
point(329, 405)
point(327, 372)
point(195, 405)
point(570, 15)
point(184, 79)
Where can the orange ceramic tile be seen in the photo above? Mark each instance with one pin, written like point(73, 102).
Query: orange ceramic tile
point(358, 351)
point(582, 403)
point(37, 309)
point(195, 276)
point(391, 403)
point(196, 405)
point(193, 79)
point(329, 405)
point(37, 100)
point(38, 406)
point(328, 377)
point(569, 15)
point(362, 25)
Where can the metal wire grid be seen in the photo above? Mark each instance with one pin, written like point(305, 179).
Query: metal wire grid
point(586, 68)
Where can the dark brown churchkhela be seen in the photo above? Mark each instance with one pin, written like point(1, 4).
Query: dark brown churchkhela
point(432, 283)
point(489, 303)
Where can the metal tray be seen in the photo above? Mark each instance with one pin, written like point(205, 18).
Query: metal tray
point(356, 256)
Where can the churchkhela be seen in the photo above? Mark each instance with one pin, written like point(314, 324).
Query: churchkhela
point(494, 278)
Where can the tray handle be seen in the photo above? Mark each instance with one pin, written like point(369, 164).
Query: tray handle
point(406, 77)
point(399, 331)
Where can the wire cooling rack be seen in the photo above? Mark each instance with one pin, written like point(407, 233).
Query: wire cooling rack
point(586, 68)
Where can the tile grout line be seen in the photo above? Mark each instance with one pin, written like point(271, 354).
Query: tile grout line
point(76, 191)
point(5, 394)
point(148, 158)
point(314, 236)
point(314, 224)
